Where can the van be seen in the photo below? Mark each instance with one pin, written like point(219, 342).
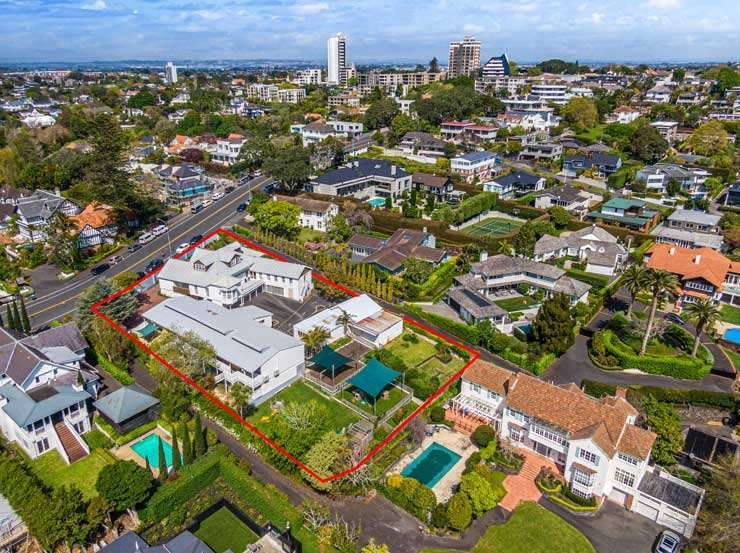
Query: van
point(146, 238)
point(196, 208)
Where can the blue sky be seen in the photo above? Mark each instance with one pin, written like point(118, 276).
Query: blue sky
point(85, 30)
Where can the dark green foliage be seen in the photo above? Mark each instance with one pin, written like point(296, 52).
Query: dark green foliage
point(439, 516)
point(124, 485)
point(483, 435)
point(176, 458)
point(553, 326)
point(437, 414)
point(9, 318)
point(457, 103)
point(667, 395)
point(411, 495)
point(647, 144)
point(459, 511)
point(25, 323)
point(162, 469)
point(473, 206)
point(17, 318)
point(663, 419)
point(380, 113)
point(472, 462)
point(199, 438)
point(525, 240)
point(577, 499)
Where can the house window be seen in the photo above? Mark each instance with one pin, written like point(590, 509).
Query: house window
point(516, 434)
point(74, 408)
point(629, 459)
point(521, 417)
point(42, 446)
point(624, 477)
point(548, 434)
point(580, 493)
point(588, 456)
point(583, 478)
point(475, 388)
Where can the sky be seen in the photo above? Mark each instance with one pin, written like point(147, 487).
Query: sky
point(378, 30)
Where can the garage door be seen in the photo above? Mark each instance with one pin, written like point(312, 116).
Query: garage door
point(618, 496)
point(646, 510)
point(672, 522)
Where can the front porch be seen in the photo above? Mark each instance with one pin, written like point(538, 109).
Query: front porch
point(521, 487)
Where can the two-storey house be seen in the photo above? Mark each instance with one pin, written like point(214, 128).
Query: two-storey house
point(36, 211)
point(517, 183)
point(690, 229)
point(315, 214)
point(363, 178)
point(476, 166)
point(630, 213)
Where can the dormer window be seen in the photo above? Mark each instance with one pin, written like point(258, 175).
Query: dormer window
point(198, 266)
point(234, 261)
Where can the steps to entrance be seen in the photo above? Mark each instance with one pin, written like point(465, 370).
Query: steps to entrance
point(70, 443)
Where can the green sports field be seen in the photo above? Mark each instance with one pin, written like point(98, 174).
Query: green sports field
point(494, 226)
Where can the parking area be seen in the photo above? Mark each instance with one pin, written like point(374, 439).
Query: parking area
point(287, 312)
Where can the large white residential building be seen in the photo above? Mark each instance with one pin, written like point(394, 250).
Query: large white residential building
point(44, 391)
point(599, 249)
point(656, 178)
point(595, 443)
point(476, 165)
point(551, 93)
point(228, 149)
point(496, 67)
point(369, 322)
point(231, 274)
point(315, 214)
point(307, 77)
point(265, 92)
point(336, 66)
point(248, 349)
point(464, 58)
point(318, 131)
point(291, 95)
point(170, 73)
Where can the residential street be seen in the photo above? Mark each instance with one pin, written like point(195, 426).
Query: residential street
point(57, 298)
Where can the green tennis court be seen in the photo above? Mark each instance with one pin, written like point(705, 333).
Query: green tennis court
point(494, 226)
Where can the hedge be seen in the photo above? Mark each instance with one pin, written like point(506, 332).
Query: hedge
point(463, 331)
point(668, 395)
point(677, 367)
point(122, 375)
point(598, 281)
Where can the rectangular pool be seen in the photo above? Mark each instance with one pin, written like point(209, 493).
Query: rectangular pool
point(431, 465)
point(148, 449)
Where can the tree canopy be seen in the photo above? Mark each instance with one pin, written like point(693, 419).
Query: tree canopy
point(124, 484)
point(279, 218)
point(553, 326)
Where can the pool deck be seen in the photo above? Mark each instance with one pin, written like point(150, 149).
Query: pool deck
point(452, 440)
point(126, 452)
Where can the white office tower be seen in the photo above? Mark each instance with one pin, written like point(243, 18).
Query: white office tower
point(464, 57)
point(337, 60)
point(170, 73)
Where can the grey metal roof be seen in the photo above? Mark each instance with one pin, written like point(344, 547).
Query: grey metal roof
point(477, 156)
point(233, 333)
point(125, 403)
point(698, 239)
point(359, 168)
point(519, 178)
point(475, 303)
point(25, 410)
point(131, 542)
point(694, 216)
point(497, 265)
point(65, 335)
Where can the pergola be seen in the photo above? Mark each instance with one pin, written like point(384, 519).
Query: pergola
point(373, 379)
point(330, 360)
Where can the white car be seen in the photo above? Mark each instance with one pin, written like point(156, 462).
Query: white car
point(217, 196)
point(206, 202)
point(182, 247)
point(159, 229)
point(146, 238)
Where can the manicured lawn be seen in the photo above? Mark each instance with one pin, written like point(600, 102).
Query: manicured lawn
point(518, 303)
point(531, 529)
point(52, 469)
point(423, 351)
point(310, 235)
point(223, 531)
point(382, 405)
point(730, 314)
point(301, 392)
point(734, 357)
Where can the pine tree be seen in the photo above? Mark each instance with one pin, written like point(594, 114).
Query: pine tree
point(176, 459)
point(162, 461)
point(199, 438)
point(24, 317)
point(9, 317)
point(187, 446)
point(148, 466)
point(17, 324)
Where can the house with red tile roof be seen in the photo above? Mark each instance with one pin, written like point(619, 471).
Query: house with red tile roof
point(96, 225)
point(594, 442)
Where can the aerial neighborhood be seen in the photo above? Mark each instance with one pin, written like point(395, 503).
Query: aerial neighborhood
point(473, 304)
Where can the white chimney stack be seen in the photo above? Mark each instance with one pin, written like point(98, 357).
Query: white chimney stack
point(672, 251)
point(697, 259)
point(483, 255)
point(393, 170)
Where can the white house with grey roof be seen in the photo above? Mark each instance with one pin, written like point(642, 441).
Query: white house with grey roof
point(690, 229)
point(600, 250)
point(231, 274)
point(248, 349)
point(363, 178)
point(45, 386)
point(36, 211)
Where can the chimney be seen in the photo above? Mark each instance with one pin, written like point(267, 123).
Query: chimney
point(672, 251)
point(393, 170)
point(697, 259)
point(620, 392)
point(483, 255)
point(424, 229)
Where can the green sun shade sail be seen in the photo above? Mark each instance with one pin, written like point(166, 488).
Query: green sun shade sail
point(373, 378)
point(329, 359)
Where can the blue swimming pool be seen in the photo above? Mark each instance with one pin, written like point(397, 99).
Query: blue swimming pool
point(376, 202)
point(732, 335)
point(431, 465)
point(148, 449)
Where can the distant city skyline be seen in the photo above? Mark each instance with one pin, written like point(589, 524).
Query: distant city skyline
point(415, 30)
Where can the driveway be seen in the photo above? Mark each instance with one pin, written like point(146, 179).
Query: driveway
point(613, 529)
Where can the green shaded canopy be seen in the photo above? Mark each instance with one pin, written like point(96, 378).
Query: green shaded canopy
point(329, 359)
point(373, 378)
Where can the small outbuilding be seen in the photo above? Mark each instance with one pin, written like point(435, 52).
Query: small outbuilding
point(128, 408)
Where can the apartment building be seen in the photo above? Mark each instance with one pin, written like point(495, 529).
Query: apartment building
point(347, 100)
point(496, 67)
point(363, 178)
point(551, 93)
point(319, 131)
point(264, 92)
point(308, 77)
point(666, 129)
point(595, 443)
point(230, 275)
point(291, 95)
point(690, 229)
point(464, 58)
point(228, 149)
point(496, 84)
point(390, 81)
point(336, 71)
point(473, 166)
point(248, 350)
point(315, 214)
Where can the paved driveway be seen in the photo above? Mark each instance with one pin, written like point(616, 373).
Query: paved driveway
point(613, 529)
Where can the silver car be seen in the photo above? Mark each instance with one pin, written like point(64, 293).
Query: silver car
point(669, 542)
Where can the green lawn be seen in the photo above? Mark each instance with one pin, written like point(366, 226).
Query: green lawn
point(423, 351)
point(518, 303)
point(730, 314)
point(382, 405)
point(223, 531)
point(301, 392)
point(52, 469)
point(310, 235)
point(734, 357)
point(531, 529)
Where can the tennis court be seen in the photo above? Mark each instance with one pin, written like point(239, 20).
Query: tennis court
point(494, 226)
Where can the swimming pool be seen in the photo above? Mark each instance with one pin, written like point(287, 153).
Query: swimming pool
point(431, 465)
point(376, 202)
point(148, 449)
point(732, 335)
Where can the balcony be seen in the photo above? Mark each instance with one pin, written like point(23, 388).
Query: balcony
point(467, 413)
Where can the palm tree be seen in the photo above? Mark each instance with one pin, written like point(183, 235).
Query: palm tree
point(658, 282)
point(315, 338)
point(704, 313)
point(240, 396)
point(505, 247)
point(634, 280)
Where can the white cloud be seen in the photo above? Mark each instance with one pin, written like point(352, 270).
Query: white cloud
point(473, 28)
point(597, 17)
point(625, 20)
point(664, 4)
point(311, 8)
point(96, 6)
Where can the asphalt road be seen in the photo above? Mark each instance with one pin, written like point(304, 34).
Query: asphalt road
point(56, 299)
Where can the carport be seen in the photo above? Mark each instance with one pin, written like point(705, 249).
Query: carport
point(373, 379)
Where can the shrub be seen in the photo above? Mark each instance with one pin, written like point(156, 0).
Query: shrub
point(584, 501)
point(667, 395)
point(439, 516)
point(472, 461)
point(459, 511)
point(95, 439)
point(437, 414)
point(411, 495)
point(482, 435)
point(480, 492)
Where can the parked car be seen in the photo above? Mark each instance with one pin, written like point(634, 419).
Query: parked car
point(229, 189)
point(134, 247)
point(159, 230)
point(669, 542)
point(146, 238)
point(100, 269)
point(140, 274)
point(196, 208)
point(241, 207)
point(672, 317)
point(115, 260)
point(182, 247)
point(196, 238)
point(207, 202)
point(153, 265)
point(217, 196)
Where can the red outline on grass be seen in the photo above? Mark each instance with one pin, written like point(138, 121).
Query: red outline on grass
point(474, 355)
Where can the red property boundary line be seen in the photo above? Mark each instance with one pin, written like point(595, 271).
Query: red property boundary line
point(474, 355)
